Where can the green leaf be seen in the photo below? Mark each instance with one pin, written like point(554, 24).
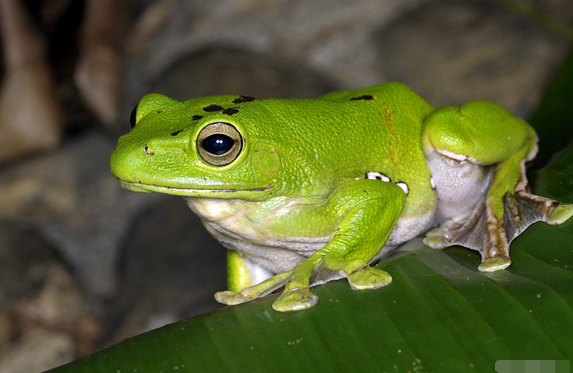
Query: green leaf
point(439, 314)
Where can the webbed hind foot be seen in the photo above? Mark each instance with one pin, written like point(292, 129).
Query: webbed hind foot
point(484, 232)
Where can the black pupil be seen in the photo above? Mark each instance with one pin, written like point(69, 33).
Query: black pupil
point(217, 144)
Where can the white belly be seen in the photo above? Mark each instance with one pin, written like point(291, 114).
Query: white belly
point(228, 221)
point(459, 186)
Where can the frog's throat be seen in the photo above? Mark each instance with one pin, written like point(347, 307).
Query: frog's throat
point(187, 192)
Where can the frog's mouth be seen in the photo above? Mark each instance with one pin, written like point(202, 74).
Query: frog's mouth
point(186, 192)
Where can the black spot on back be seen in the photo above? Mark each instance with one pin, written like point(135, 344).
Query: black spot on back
point(176, 133)
point(230, 111)
point(196, 117)
point(365, 97)
point(212, 108)
point(241, 99)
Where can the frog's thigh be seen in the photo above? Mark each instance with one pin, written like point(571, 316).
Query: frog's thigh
point(358, 238)
point(484, 133)
point(480, 132)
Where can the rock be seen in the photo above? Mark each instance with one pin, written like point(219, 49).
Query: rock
point(330, 37)
point(556, 15)
point(81, 210)
point(25, 259)
point(42, 313)
point(448, 51)
point(171, 268)
point(452, 52)
point(37, 352)
point(99, 70)
point(209, 72)
point(31, 118)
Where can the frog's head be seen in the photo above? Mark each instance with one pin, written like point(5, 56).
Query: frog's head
point(196, 148)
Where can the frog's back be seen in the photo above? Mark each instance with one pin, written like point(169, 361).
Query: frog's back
point(393, 149)
point(392, 91)
point(374, 127)
point(389, 112)
point(390, 117)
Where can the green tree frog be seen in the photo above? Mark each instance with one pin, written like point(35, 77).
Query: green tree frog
point(306, 191)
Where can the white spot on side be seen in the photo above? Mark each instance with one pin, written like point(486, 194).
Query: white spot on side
point(404, 186)
point(432, 183)
point(377, 176)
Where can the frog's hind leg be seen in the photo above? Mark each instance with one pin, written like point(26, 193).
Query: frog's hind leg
point(511, 208)
point(506, 212)
point(249, 293)
point(482, 232)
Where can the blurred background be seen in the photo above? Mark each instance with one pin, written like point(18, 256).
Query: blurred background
point(84, 263)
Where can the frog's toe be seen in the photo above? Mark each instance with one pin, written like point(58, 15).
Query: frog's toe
point(440, 237)
point(496, 263)
point(435, 241)
point(230, 298)
point(560, 214)
point(295, 300)
point(369, 278)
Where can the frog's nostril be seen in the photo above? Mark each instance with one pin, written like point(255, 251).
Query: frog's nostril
point(148, 150)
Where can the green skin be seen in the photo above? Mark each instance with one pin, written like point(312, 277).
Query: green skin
point(306, 191)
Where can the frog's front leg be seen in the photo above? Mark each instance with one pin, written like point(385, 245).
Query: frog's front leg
point(242, 276)
point(482, 138)
point(373, 207)
point(359, 236)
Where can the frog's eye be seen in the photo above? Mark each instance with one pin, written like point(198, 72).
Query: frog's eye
point(133, 116)
point(219, 143)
